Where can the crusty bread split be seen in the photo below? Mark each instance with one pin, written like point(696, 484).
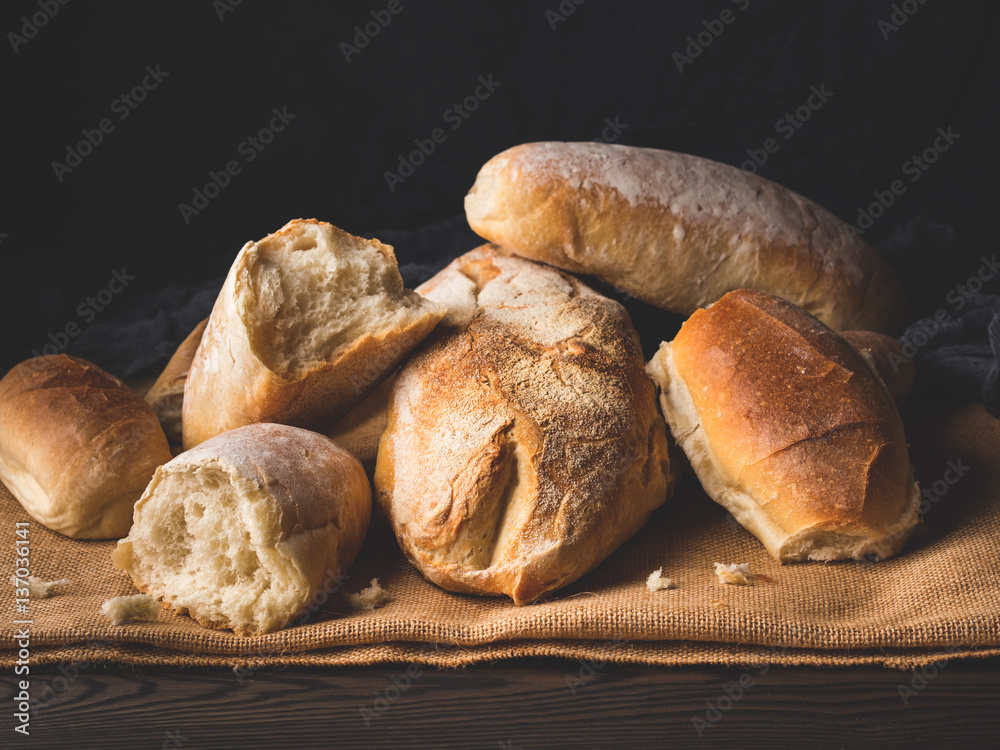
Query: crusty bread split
point(308, 320)
point(788, 428)
point(77, 446)
point(242, 530)
point(523, 443)
point(679, 231)
point(166, 396)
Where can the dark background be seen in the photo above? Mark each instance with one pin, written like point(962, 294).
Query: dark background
point(354, 119)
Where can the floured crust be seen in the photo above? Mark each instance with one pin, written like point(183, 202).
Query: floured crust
point(679, 231)
point(788, 428)
point(230, 383)
point(523, 444)
point(309, 499)
point(77, 446)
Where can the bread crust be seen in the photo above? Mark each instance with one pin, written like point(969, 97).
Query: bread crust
point(318, 497)
point(77, 446)
point(523, 444)
point(166, 396)
point(887, 359)
point(229, 385)
point(679, 231)
point(788, 428)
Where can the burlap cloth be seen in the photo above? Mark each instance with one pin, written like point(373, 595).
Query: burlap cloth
point(939, 600)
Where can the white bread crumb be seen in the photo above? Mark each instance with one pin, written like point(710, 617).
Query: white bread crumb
point(39, 589)
point(372, 597)
point(656, 581)
point(121, 609)
point(736, 574)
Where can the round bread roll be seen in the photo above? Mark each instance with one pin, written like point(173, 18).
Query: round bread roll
point(523, 443)
point(789, 429)
point(309, 319)
point(241, 531)
point(679, 231)
point(77, 445)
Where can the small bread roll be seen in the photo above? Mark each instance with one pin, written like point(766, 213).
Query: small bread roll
point(679, 231)
point(789, 429)
point(241, 531)
point(77, 445)
point(886, 357)
point(523, 444)
point(166, 397)
point(308, 321)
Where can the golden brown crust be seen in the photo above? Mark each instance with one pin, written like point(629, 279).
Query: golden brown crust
point(885, 355)
point(166, 396)
point(679, 231)
point(787, 426)
point(229, 384)
point(77, 446)
point(523, 444)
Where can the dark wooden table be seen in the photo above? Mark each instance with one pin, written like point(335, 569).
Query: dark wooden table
point(517, 704)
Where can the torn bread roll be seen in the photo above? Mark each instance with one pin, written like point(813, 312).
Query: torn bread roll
point(166, 396)
point(886, 357)
point(679, 231)
point(308, 320)
point(523, 444)
point(77, 445)
point(241, 531)
point(788, 429)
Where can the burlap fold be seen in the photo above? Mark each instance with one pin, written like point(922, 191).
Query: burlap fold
point(939, 600)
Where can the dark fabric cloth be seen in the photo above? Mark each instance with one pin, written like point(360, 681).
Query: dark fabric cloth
point(958, 353)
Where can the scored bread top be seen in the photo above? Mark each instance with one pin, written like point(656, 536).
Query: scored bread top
point(523, 443)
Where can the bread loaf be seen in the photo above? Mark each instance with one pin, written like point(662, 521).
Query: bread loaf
point(886, 357)
point(241, 531)
point(166, 396)
point(679, 231)
point(788, 428)
point(308, 320)
point(523, 444)
point(77, 446)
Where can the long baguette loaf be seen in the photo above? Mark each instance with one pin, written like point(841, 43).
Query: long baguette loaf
point(523, 443)
point(77, 445)
point(679, 231)
point(788, 428)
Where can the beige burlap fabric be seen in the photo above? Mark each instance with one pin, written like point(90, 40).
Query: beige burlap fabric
point(939, 600)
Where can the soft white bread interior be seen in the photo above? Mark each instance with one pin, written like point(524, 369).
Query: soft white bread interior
point(679, 231)
point(789, 429)
point(241, 531)
point(308, 320)
point(166, 396)
point(77, 445)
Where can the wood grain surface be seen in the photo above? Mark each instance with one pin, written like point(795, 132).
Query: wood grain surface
point(528, 704)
